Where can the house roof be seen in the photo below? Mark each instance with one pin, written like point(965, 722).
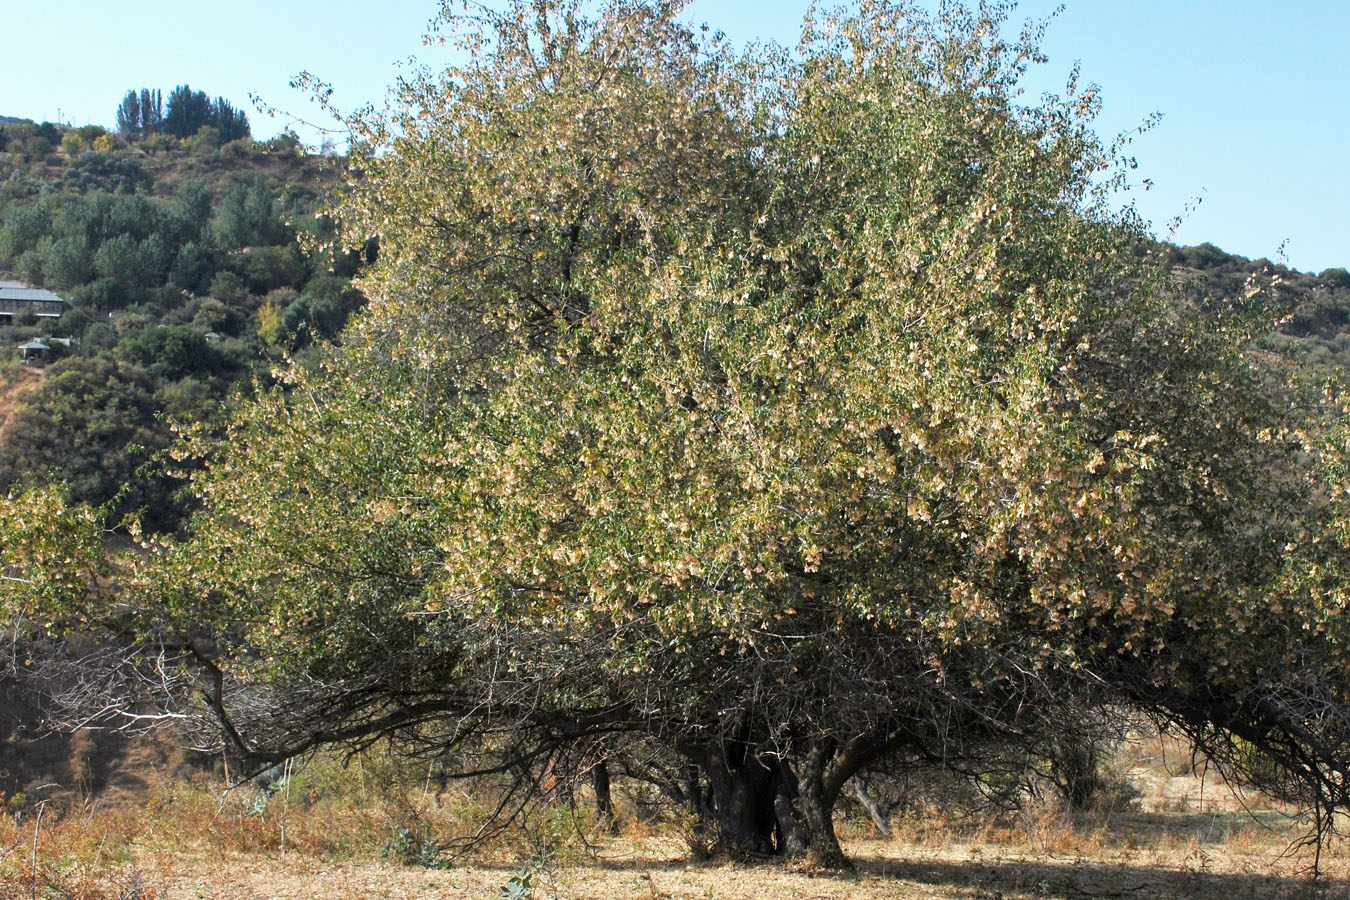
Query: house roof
point(9, 290)
point(35, 344)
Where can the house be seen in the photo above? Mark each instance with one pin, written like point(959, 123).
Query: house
point(15, 297)
point(38, 351)
point(35, 352)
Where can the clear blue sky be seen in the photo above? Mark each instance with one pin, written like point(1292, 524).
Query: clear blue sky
point(1255, 96)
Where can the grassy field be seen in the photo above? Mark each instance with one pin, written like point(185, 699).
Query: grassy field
point(369, 832)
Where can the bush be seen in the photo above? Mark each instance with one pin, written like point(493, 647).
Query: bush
point(268, 268)
point(287, 143)
point(229, 287)
point(1207, 256)
point(102, 294)
point(1336, 278)
point(99, 336)
point(210, 314)
point(205, 141)
point(170, 352)
point(90, 133)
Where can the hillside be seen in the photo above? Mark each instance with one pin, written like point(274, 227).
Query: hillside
point(185, 282)
point(1314, 308)
point(186, 276)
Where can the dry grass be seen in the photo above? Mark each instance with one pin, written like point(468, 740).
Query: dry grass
point(15, 381)
point(343, 834)
point(1082, 864)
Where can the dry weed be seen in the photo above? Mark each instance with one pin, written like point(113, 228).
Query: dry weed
point(327, 832)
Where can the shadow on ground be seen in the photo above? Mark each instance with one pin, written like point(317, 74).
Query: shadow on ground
point(993, 879)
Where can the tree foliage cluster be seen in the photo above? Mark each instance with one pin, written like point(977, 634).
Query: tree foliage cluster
point(143, 113)
point(140, 114)
point(748, 422)
point(27, 139)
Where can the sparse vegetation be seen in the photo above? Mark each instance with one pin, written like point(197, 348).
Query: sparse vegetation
point(375, 825)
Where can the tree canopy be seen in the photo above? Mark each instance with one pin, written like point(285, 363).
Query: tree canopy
point(755, 419)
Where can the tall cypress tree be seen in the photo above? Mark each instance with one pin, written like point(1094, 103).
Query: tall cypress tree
point(140, 113)
point(129, 115)
point(152, 109)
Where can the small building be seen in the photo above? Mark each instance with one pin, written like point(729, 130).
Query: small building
point(35, 352)
point(16, 297)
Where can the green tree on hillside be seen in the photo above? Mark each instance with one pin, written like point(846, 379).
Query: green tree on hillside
point(189, 110)
point(129, 115)
point(140, 114)
point(186, 111)
point(67, 262)
point(230, 122)
point(244, 217)
point(189, 212)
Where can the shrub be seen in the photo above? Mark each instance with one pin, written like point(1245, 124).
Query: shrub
point(1335, 278)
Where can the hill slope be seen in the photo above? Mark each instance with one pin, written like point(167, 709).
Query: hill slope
point(184, 268)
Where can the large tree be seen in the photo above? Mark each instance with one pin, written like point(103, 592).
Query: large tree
point(189, 110)
point(139, 115)
point(775, 414)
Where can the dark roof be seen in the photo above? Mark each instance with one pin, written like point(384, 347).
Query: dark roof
point(9, 290)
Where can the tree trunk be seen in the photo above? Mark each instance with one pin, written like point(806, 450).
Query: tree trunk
point(742, 798)
point(604, 801)
point(864, 797)
point(817, 806)
point(761, 808)
point(792, 837)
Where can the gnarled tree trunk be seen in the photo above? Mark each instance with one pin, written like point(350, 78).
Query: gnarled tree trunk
point(760, 807)
point(604, 801)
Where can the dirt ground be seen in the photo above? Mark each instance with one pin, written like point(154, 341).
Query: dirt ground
point(881, 873)
point(1182, 855)
point(1177, 834)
